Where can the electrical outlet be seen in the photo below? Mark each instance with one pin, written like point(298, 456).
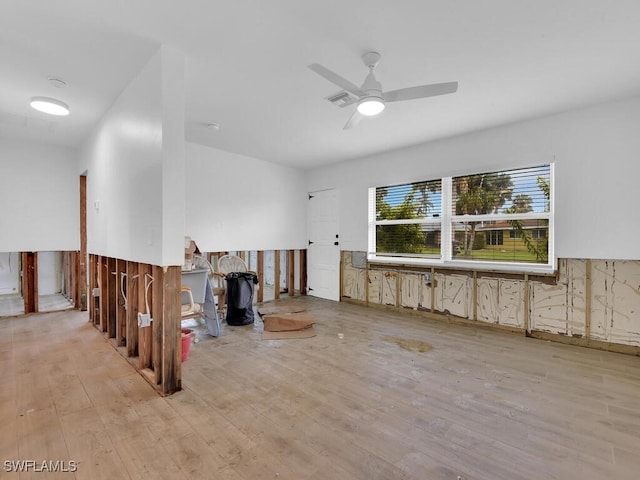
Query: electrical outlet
point(144, 319)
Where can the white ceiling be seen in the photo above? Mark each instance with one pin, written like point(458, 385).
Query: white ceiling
point(246, 66)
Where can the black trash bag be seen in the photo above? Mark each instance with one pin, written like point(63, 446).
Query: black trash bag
point(240, 288)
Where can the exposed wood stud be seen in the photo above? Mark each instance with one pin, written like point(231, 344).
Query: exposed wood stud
point(587, 302)
point(157, 327)
point(526, 304)
point(260, 296)
point(121, 312)
point(170, 338)
point(92, 285)
point(158, 347)
point(144, 333)
point(97, 265)
point(30, 281)
point(74, 274)
point(303, 272)
point(475, 296)
point(291, 272)
point(132, 285)
point(276, 281)
point(112, 303)
point(82, 254)
point(104, 293)
point(366, 281)
point(398, 290)
point(433, 290)
point(342, 264)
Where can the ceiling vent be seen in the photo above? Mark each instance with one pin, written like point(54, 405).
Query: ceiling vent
point(342, 99)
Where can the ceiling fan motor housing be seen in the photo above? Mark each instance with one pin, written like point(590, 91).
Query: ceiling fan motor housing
point(371, 59)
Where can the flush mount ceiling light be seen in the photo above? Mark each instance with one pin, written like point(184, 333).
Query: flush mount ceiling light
point(370, 106)
point(50, 106)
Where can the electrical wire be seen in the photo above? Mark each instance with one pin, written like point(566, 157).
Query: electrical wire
point(146, 292)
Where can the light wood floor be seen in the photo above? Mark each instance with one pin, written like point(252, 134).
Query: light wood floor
point(397, 398)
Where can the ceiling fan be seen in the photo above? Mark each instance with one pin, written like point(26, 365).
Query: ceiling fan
point(371, 98)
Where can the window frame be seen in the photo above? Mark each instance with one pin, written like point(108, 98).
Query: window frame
point(447, 220)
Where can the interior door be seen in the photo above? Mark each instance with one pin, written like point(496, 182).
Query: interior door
point(323, 252)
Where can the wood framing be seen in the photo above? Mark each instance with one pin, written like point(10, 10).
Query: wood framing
point(112, 291)
point(128, 288)
point(526, 303)
point(30, 281)
point(157, 307)
point(93, 284)
point(276, 280)
point(167, 332)
point(587, 300)
point(74, 269)
point(121, 307)
point(260, 295)
point(291, 271)
point(103, 276)
point(303, 272)
point(132, 285)
point(144, 333)
point(81, 281)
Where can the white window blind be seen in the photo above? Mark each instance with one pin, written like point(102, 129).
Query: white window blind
point(407, 219)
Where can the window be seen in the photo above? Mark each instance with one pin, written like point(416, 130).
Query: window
point(500, 218)
point(407, 220)
point(494, 237)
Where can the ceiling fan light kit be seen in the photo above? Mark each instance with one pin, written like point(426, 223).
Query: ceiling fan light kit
point(371, 98)
point(370, 106)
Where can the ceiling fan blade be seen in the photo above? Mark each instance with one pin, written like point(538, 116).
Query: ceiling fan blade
point(337, 79)
point(353, 120)
point(422, 91)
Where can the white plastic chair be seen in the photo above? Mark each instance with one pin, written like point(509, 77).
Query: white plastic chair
point(188, 308)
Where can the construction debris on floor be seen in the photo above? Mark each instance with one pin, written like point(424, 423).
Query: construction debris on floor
point(286, 320)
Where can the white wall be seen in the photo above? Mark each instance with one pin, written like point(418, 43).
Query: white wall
point(597, 155)
point(49, 273)
point(134, 161)
point(241, 203)
point(9, 273)
point(39, 196)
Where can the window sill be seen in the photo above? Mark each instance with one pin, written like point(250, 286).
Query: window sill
point(470, 265)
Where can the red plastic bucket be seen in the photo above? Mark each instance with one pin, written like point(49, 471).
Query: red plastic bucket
point(186, 343)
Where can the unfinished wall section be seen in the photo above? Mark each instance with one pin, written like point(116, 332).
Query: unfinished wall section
point(615, 301)
point(353, 279)
point(560, 306)
point(121, 290)
point(588, 302)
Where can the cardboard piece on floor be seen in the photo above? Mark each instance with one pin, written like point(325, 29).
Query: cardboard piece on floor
point(289, 334)
point(280, 307)
point(287, 321)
